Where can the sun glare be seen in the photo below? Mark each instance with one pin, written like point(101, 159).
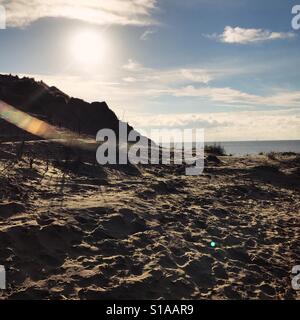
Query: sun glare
point(88, 48)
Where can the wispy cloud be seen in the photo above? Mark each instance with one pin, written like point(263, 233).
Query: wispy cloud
point(139, 73)
point(239, 125)
point(124, 12)
point(145, 36)
point(246, 36)
point(227, 95)
point(133, 66)
point(196, 82)
point(136, 84)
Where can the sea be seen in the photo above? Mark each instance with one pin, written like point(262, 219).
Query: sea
point(241, 148)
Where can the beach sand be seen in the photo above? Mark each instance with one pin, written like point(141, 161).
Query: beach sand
point(75, 230)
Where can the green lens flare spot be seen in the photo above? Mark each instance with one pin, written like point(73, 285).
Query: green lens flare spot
point(213, 244)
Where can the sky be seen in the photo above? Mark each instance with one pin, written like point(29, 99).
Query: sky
point(230, 67)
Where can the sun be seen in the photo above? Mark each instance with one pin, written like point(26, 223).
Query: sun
point(88, 48)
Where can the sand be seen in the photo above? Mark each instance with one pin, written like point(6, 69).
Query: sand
point(75, 230)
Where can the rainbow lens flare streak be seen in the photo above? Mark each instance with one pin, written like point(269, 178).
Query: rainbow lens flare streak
point(40, 128)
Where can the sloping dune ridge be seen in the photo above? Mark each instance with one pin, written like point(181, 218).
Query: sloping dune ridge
point(71, 229)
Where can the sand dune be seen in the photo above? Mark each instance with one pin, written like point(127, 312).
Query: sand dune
point(74, 230)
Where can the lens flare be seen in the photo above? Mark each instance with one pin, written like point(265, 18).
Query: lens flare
point(213, 244)
point(27, 122)
point(42, 129)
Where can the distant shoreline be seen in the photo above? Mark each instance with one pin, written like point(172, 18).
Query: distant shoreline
point(298, 140)
point(243, 148)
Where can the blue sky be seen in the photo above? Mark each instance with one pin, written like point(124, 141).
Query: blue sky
point(230, 67)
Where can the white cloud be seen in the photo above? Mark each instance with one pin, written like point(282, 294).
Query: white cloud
point(224, 126)
point(130, 79)
point(124, 12)
point(196, 75)
point(133, 66)
point(146, 34)
point(136, 84)
point(246, 36)
point(130, 97)
point(168, 76)
point(232, 96)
